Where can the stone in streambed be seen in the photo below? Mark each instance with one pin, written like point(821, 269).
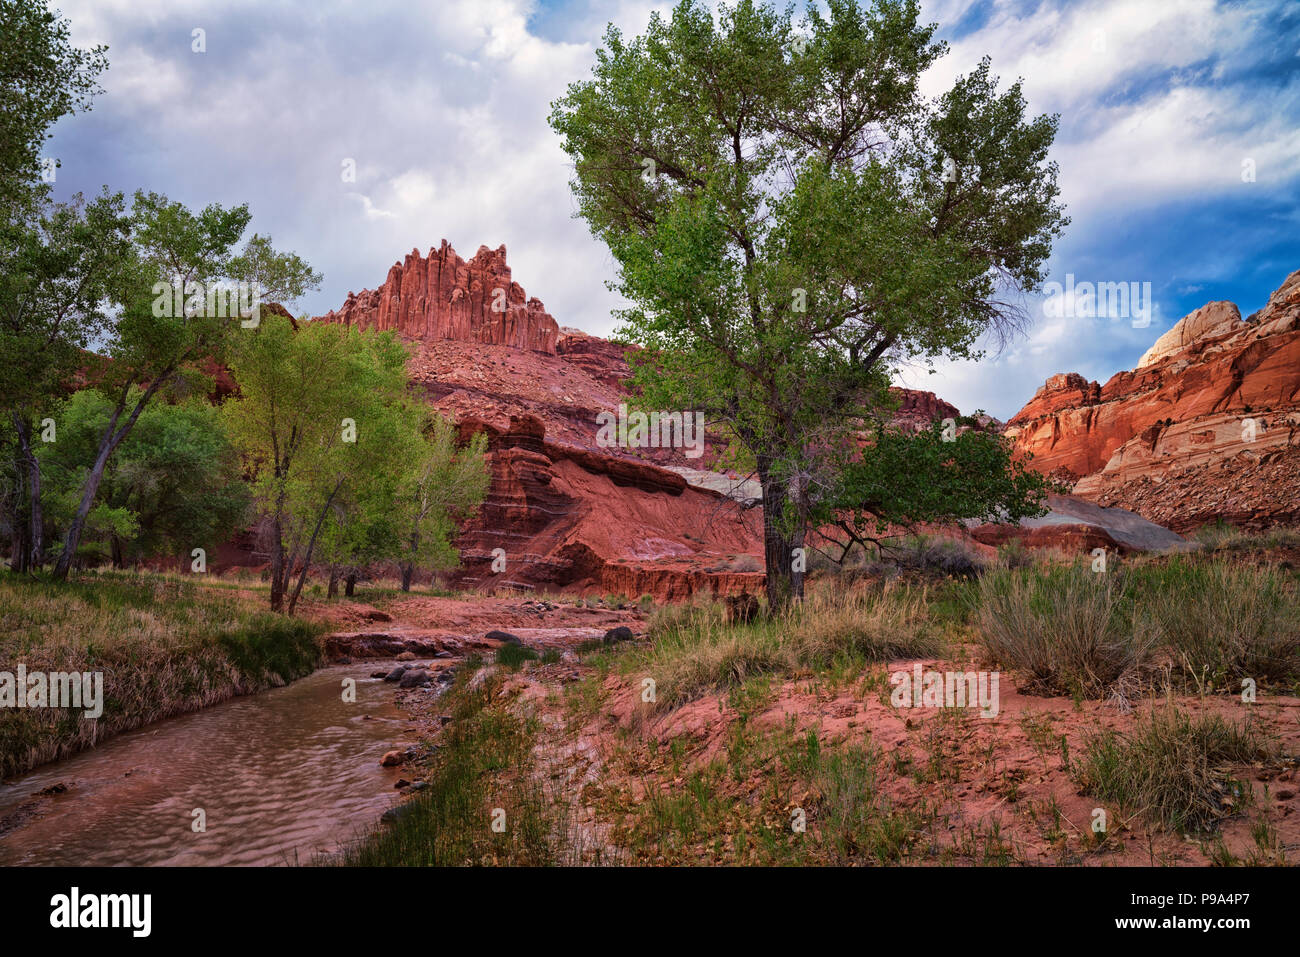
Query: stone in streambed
point(413, 678)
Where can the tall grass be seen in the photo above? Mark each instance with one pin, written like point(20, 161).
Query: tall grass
point(484, 765)
point(1206, 625)
point(1225, 622)
point(695, 649)
point(1061, 626)
point(165, 646)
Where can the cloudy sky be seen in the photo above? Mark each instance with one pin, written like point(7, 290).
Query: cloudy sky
point(1179, 145)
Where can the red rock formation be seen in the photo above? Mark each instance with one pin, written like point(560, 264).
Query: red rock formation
point(1215, 396)
point(571, 518)
point(443, 297)
point(917, 409)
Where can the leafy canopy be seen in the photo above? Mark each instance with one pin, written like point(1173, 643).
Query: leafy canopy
point(793, 222)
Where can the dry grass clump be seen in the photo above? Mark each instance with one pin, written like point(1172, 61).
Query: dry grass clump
point(1206, 625)
point(1173, 768)
point(1063, 627)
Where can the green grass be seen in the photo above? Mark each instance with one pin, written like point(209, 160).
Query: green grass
point(484, 763)
point(513, 656)
point(164, 645)
point(778, 797)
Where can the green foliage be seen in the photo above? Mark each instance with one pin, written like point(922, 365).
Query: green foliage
point(320, 421)
point(949, 475)
point(785, 233)
point(171, 249)
point(443, 485)
point(42, 78)
point(174, 484)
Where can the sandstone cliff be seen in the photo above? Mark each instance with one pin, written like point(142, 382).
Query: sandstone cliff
point(1188, 435)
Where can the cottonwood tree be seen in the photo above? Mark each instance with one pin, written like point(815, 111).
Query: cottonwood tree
point(55, 276)
point(317, 418)
point(363, 525)
point(175, 255)
point(792, 221)
point(42, 77)
point(444, 485)
point(52, 257)
point(175, 483)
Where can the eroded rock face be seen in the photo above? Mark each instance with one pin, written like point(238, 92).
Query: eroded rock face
point(1211, 320)
point(441, 296)
point(566, 517)
point(1214, 401)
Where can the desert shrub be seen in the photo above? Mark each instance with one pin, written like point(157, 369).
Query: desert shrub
point(941, 556)
point(1065, 627)
point(1172, 767)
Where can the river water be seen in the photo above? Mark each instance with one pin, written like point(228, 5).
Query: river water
point(281, 776)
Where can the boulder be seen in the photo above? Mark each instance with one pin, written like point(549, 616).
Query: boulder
point(413, 678)
point(615, 635)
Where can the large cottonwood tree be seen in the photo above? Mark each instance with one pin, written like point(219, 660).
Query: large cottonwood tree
point(792, 221)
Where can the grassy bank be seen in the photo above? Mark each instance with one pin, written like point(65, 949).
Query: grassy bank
point(483, 774)
point(775, 741)
point(165, 646)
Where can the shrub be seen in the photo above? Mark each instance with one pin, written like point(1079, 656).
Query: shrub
point(1064, 627)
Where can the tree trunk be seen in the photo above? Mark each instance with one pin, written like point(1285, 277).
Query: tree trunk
point(278, 576)
point(108, 443)
point(351, 584)
point(784, 580)
point(333, 590)
point(311, 546)
point(18, 526)
point(35, 557)
point(408, 570)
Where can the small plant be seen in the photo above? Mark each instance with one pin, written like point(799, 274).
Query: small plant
point(513, 656)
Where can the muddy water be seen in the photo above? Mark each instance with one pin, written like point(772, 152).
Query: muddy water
point(281, 775)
